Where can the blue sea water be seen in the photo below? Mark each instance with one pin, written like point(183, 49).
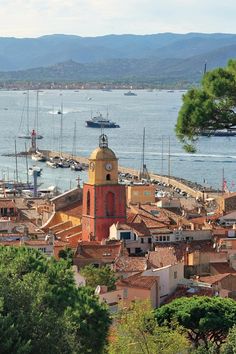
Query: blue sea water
point(155, 111)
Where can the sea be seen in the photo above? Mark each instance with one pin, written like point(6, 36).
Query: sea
point(154, 112)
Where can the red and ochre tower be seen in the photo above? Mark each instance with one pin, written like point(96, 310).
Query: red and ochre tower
point(104, 201)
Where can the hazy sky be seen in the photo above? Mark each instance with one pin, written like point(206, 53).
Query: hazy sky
point(33, 18)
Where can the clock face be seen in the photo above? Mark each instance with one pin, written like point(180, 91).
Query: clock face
point(108, 166)
point(91, 165)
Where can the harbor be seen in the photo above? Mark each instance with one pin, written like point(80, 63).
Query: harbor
point(156, 111)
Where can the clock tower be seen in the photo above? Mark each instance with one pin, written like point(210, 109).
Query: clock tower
point(104, 201)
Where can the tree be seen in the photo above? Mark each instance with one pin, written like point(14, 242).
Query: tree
point(99, 276)
point(41, 309)
point(229, 347)
point(66, 254)
point(136, 332)
point(206, 319)
point(210, 107)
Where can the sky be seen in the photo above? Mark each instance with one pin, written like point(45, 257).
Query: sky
point(34, 18)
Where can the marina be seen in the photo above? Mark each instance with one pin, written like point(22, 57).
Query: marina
point(156, 111)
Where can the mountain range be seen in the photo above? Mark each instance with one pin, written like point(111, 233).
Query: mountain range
point(158, 58)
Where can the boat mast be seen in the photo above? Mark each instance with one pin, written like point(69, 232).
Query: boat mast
point(169, 161)
point(61, 126)
point(74, 142)
point(143, 171)
point(27, 166)
point(16, 163)
point(27, 114)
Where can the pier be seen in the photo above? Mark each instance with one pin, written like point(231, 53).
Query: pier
point(193, 189)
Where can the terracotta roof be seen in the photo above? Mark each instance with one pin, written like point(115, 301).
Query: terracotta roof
point(185, 291)
point(213, 279)
point(7, 203)
point(58, 243)
point(74, 209)
point(36, 243)
point(139, 228)
point(183, 246)
point(94, 250)
point(222, 267)
point(228, 195)
point(131, 264)
point(163, 257)
point(138, 281)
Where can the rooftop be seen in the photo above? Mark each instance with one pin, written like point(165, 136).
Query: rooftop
point(138, 281)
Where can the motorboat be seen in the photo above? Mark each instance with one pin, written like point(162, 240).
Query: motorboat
point(99, 121)
point(52, 163)
point(38, 156)
point(75, 166)
point(130, 93)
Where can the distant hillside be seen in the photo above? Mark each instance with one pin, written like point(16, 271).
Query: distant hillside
point(153, 58)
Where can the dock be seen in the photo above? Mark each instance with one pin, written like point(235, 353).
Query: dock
point(192, 188)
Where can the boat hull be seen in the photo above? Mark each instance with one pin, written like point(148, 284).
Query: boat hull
point(91, 124)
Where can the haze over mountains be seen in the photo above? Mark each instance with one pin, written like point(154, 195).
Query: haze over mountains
point(156, 58)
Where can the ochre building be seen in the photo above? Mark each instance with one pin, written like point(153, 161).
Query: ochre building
point(104, 200)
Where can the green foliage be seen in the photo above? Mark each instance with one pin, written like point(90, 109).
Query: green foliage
point(99, 276)
point(210, 107)
point(206, 319)
point(229, 347)
point(67, 254)
point(42, 310)
point(136, 331)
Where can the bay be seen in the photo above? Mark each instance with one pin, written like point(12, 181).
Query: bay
point(157, 111)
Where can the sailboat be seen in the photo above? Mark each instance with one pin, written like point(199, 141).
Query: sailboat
point(28, 134)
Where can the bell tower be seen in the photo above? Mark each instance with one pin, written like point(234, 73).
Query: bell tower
point(104, 200)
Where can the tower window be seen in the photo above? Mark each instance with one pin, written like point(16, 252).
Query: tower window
point(108, 177)
point(110, 204)
point(88, 203)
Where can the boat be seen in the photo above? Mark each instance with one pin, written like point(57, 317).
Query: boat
point(220, 133)
point(32, 169)
point(38, 156)
point(52, 163)
point(130, 93)
point(28, 134)
point(75, 166)
point(99, 121)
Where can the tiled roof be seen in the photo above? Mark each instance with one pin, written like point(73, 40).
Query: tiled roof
point(131, 264)
point(189, 292)
point(222, 267)
point(94, 250)
point(213, 279)
point(182, 247)
point(139, 228)
point(74, 209)
point(7, 203)
point(163, 257)
point(138, 281)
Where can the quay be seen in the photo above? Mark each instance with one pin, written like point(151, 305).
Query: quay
point(192, 188)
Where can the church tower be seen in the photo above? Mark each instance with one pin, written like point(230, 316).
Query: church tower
point(104, 201)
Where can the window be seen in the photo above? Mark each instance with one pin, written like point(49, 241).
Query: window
point(175, 275)
point(149, 240)
point(108, 177)
point(43, 249)
point(142, 240)
point(137, 250)
point(88, 203)
point(110, 204)
point(125, 235)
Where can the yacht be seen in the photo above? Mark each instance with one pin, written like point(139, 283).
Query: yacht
point(130, 93)
point(100, 122)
